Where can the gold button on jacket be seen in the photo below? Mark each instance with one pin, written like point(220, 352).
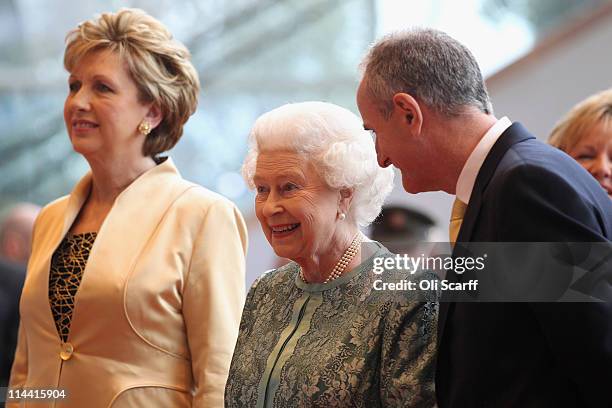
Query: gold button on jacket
point(66, 352)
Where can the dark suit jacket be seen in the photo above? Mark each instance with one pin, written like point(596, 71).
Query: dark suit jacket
point(11, 282)
point(528, 354)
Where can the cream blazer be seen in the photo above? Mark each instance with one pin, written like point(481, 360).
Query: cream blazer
point(157, 313)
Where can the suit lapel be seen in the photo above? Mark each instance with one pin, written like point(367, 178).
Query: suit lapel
point(516, 133)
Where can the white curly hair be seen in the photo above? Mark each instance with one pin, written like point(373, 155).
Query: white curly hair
point(333, 139)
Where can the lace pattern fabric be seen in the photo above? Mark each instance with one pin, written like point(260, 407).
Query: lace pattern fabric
point(67, 266)
point(360, 348)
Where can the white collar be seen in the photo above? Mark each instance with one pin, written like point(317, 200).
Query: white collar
point(472, 166)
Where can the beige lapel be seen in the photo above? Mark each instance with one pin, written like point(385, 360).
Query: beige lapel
point(49, 234)
point(131, 222)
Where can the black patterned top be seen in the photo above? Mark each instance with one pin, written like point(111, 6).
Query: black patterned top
point(67, 266)
point(336, 344)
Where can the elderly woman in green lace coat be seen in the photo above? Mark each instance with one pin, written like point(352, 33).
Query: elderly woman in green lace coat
point(315, 333)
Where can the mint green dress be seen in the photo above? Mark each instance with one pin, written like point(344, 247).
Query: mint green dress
point(339, 344)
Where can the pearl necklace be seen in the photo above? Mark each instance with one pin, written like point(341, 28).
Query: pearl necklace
point(344, 261)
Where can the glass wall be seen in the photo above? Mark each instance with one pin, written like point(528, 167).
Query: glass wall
point(252, 55)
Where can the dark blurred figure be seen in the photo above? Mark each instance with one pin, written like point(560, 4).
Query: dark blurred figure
point(11, 282)
point(402, 230)
point(16, 233)
point(15, 246)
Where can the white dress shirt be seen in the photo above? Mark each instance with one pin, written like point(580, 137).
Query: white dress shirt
point(472, 166)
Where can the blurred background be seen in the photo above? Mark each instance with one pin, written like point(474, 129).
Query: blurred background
point(540, 57)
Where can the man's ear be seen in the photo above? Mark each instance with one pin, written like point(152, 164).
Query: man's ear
point(346, 197)
point(154, 116)
point(408, 111)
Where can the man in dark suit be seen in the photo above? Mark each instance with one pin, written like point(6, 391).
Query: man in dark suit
point(11, 282)
point(423, 95)
point(15, 246)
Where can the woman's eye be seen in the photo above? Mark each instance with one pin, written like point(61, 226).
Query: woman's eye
point(74, 86)
point(290, 187)
point(103, 88)
point(584, 157)
point(260, 189)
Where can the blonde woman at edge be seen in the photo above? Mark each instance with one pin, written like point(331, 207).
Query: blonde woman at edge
point(585, 133)
point(136, 281)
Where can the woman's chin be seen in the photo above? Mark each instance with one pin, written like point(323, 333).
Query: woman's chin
point(283, 251)
point(285, 243)
point(286, 250)
point(84, 147)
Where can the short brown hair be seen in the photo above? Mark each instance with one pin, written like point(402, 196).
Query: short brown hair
point(159, 65)
point(580, 119)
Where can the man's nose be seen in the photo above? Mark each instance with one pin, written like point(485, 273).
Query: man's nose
point(379, 156)
point(383, 160)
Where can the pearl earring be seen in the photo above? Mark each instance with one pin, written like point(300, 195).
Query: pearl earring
point(144, 127)
point(342, 216)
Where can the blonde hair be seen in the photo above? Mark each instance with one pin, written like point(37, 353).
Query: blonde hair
point(159, 65)
point(580, 119)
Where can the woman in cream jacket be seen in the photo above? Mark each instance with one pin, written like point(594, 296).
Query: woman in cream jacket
point(136, 280)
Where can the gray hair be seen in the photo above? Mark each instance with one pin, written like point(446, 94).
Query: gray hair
point(429, 65)
point(333, 139)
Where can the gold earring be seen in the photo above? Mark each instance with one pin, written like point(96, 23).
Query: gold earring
point(144, 127)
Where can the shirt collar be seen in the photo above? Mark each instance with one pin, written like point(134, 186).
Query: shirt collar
point(472, 166)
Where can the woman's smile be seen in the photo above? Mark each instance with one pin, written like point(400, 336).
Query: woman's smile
point(83, 127)
point(284, 230)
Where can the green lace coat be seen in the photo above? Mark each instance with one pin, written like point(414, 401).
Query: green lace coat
point(340, 344)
